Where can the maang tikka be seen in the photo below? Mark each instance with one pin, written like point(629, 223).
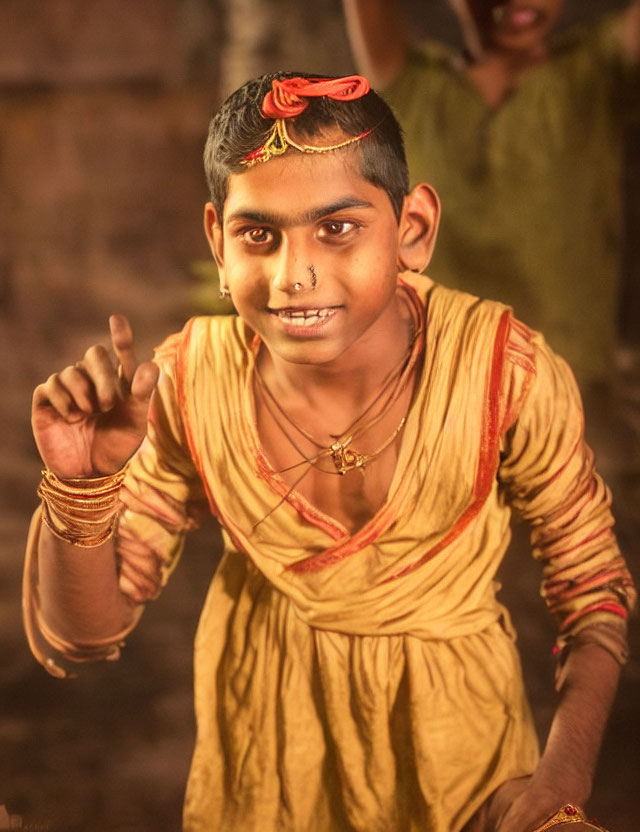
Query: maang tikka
point(288, 98)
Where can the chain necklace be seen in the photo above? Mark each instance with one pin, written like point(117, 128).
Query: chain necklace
point(344, 457)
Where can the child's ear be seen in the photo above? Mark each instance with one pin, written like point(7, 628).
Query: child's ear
point(418, 228)
point(213, 231)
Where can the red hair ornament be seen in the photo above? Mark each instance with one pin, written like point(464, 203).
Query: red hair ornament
point(289, 98)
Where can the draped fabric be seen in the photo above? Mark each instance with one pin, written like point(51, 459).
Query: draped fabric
point(369, 681)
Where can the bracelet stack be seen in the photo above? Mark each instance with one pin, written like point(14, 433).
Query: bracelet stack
point(82, 512)
point(568, 814)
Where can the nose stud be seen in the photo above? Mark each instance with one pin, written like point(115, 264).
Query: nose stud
point(298, 286)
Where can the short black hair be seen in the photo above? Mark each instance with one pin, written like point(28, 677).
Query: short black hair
point(238, 128)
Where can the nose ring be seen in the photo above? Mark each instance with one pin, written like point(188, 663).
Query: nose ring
point(297, 287)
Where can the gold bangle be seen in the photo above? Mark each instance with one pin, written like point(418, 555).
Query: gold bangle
point(568, 814)
point(82, 512)
point(79, 535)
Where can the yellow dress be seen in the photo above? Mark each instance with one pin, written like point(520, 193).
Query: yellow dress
point(369, 682)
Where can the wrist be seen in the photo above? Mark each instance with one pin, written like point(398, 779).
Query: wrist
point(563, 781)
point(569, 813)
point(80, 511)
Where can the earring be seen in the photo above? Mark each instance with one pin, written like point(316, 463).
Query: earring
point(224, 293)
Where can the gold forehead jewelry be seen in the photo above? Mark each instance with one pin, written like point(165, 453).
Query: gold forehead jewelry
point(279, 141)
point(288, 98)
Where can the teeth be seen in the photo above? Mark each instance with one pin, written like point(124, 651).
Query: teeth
point(305, 317)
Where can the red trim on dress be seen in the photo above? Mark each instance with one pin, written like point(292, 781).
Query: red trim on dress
point(318, 518)
point(181, 375)
point(616, 609)
point(489, 449)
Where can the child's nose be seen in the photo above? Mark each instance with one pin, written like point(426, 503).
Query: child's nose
point(291, 269)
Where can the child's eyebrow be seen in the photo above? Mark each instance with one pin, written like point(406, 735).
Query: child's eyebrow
point(283, 221)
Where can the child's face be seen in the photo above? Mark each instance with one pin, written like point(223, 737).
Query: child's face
point(511, 25)
point(299, 220)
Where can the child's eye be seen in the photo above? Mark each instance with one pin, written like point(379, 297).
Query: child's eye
point(336, 229)
point(257, 236)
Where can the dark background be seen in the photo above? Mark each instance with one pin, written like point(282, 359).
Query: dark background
point(103, 112)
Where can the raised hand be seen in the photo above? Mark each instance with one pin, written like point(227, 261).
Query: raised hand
point(89, 418)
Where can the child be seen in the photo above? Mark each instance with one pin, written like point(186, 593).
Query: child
point(522, 136)
point(362, 435)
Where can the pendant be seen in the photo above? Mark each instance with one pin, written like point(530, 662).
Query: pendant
point(345, 458)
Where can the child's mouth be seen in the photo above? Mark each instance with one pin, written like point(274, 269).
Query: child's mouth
point(305, 317)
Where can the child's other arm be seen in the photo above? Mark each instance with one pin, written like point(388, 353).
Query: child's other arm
point(87, 421)
point(630, 31)
point(378, 39)
point(549, 478)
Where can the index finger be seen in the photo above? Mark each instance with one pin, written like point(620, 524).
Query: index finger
point(122, 340)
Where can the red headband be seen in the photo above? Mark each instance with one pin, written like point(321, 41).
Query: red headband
point(287, 97)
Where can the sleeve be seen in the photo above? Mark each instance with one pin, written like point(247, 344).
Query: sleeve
point(162, 495)
point(407, 91)
point(548, 473)
point(599, 69)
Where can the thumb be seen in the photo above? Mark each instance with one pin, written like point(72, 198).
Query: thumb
point(144, 381)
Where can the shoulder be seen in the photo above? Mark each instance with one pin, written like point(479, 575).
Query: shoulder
point(201, 336)
point(453, 308)
point(486, 337)
point(593, 48)
point(483, 340)
point(430, 53)
point(465, 325)
point(537, 380)
point(428, 60)
point(202, 364)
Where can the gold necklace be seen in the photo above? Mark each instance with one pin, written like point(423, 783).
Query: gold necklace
point(346, 458)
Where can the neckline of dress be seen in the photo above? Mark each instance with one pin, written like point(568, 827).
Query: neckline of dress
point(333, 527)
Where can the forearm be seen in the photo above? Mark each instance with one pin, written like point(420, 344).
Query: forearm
point(588, 684)
point(378, 38)
point(79, 597)
point(630, 31)
point(564, 775)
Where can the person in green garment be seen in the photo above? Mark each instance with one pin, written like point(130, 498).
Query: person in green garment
point(522, 137)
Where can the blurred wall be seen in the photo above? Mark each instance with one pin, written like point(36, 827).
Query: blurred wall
point(104, 106)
